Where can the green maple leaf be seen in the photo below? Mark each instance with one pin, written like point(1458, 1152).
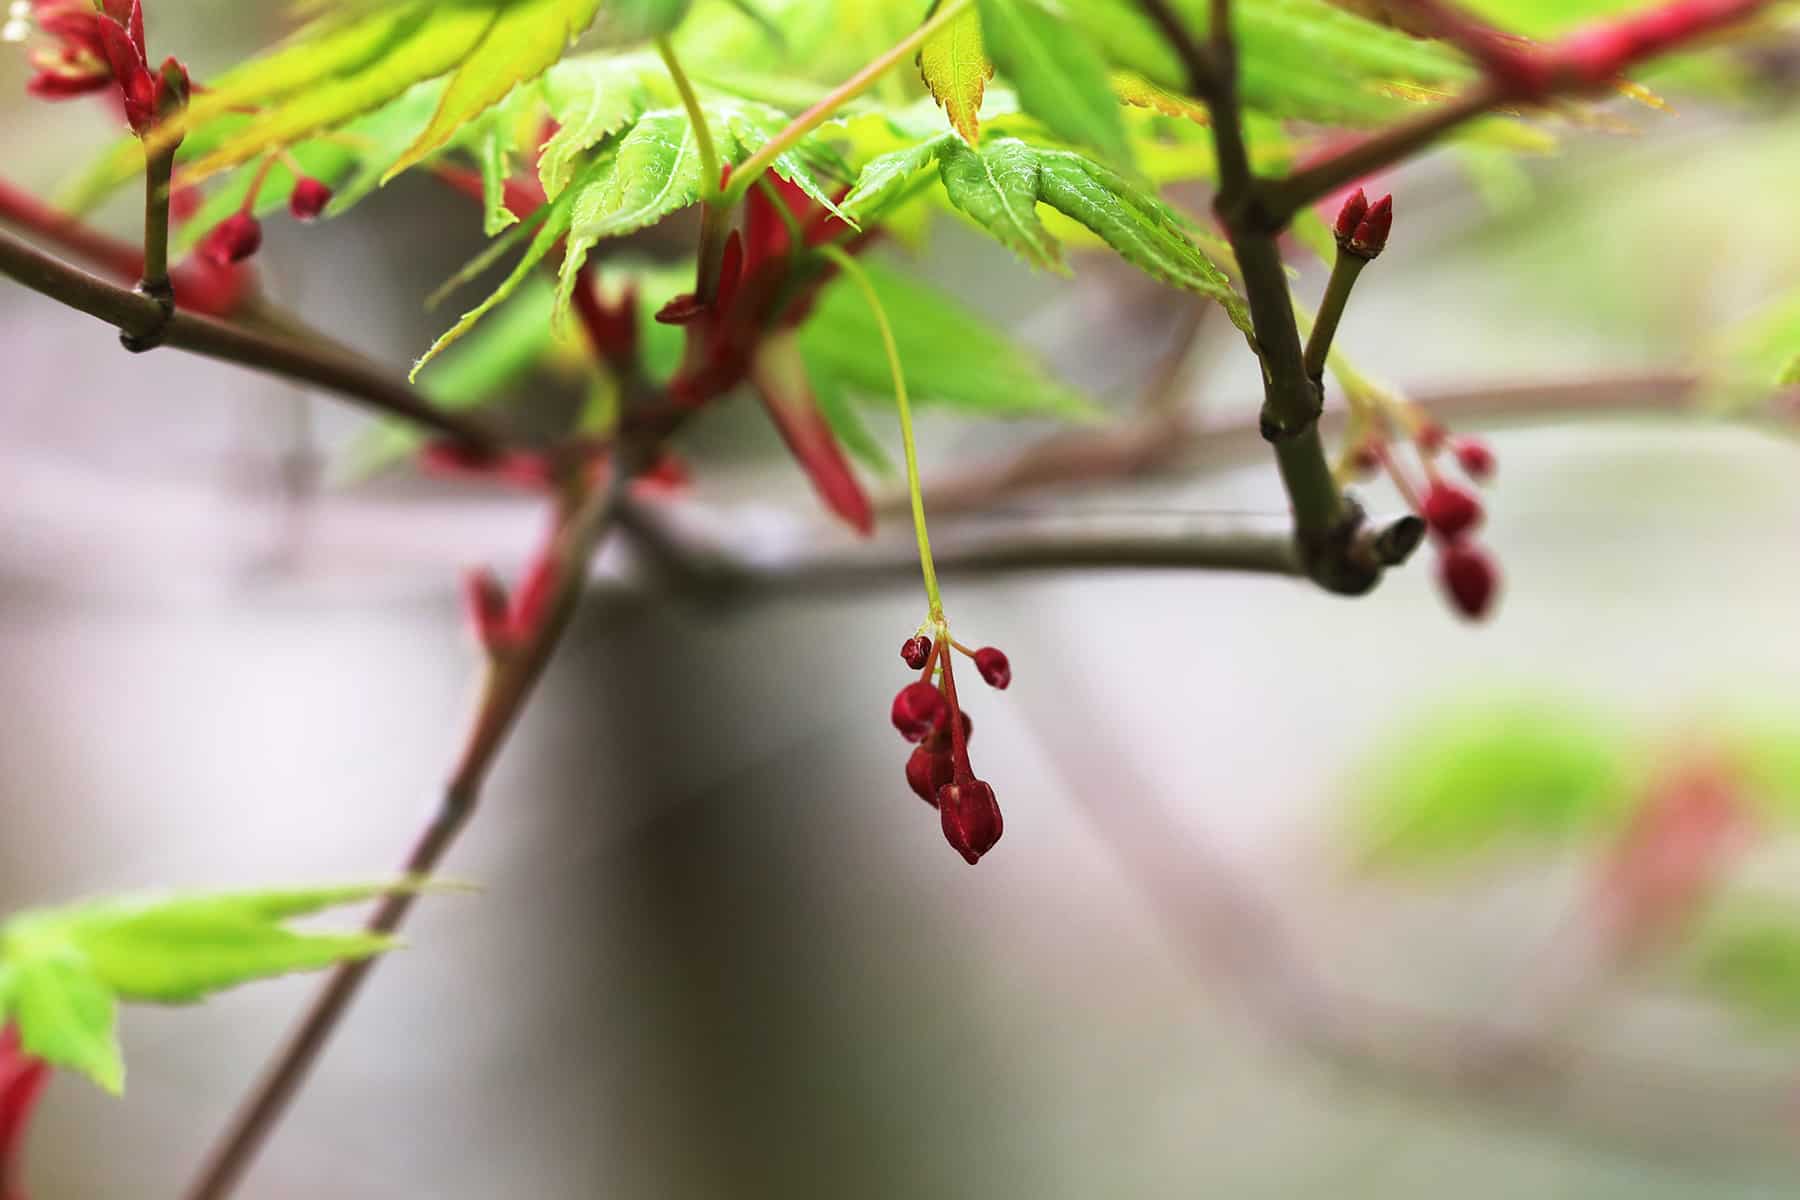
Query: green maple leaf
point(956, 69)
point(999, 186)
point(64, 971)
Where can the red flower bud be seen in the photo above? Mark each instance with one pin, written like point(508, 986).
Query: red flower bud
point(971, 817)
point(232, 240)
point(22, 1081)
point(917, 708)
point(928, 771)
point(1350, 216)
point(1429, 438)
point(993, 667)
point(1371, 235)
point(1476, 459)
point(1470, 577)
point(309, 198)
point(184, 202)
point(1449, 510)
point(939, 737)
point(916, 651)
point(1365, 460)
point(484, 599)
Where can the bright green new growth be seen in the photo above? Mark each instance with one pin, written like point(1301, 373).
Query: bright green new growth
point(64, 971)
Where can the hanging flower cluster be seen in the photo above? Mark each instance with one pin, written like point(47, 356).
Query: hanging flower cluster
point(928, 712)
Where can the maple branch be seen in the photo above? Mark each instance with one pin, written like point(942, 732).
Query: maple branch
point(1586, 61)
point(512, 676)
point(1325, 524)
point(1005, 542)
point(1228, 928)
point(1163, 440)
point(336, 370)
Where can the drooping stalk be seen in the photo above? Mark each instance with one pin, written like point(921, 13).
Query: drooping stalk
point(853, 271)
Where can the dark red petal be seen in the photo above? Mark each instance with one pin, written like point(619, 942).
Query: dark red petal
point(232, 240)
point(916, 651)
point(1470, 577)
point(916, 709)
point(1351, 215)
point(927, 771)
point(994, 667)
point(22, 1080)
point(780, 378)
point(1450, 510)
point(1476, 458)
point(971, 817)
point(308, 199)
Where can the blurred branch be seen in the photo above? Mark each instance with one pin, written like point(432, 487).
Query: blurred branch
point(997, 543)
point(332, 368)
point(1162, 442)
point(513, 672)
point(1231, 932)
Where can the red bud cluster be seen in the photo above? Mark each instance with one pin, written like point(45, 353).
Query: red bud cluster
point(96, 45)
point(1452, 512)
point(1362, 228)
point(927, 711)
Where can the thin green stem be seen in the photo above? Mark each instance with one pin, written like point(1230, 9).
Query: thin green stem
point(158, 171)
point(1344, 272)
point(853, 271)
point(753, 167)
point(703, 139)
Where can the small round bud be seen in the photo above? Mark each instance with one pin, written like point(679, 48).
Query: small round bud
point(1470, 577)
point(1449, 510)
point(309, 198)
point(232, 240)
point(916, 651)
point(1430, 438)
point(1475, 457)
point(1365, 460)
point(917, 708)
point(928, 771)
point(971, 817)
point(993, 667)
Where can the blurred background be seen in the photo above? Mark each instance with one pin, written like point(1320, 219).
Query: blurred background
point(720, 949)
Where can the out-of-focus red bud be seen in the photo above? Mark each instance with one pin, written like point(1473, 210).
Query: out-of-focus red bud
point(1449, 510)
point(232, 240)
point(971, 817)
point(1350, 216)
point(928, 771)
point(533, 598)
point(1470, 577)
point(1371, 236)
point(488, 609)
point(994, 667)
point(917, 708)
point(22, 1080)
point(309, 198)
point(1476, 458)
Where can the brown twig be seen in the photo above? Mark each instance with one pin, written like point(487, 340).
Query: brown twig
point(135, 314)
point(512, 677)
point(1232, 934)
point(1162, 443)
point(1324, 525)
